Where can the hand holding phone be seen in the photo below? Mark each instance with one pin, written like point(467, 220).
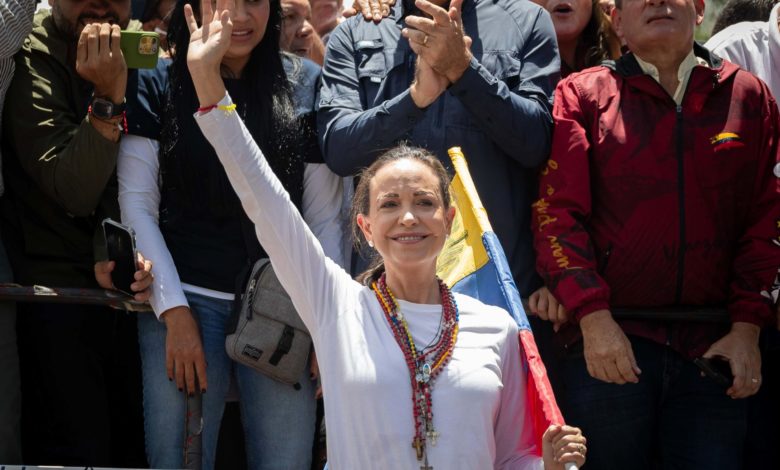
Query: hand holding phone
point(120, 246)
point(716, 369)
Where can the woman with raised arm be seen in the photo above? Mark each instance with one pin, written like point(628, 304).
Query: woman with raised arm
point(174, 192)
point(414, 376)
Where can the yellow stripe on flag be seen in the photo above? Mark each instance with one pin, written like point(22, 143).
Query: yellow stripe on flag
point(464, 252)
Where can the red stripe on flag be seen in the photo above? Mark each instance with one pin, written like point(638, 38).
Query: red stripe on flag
point(540, 400)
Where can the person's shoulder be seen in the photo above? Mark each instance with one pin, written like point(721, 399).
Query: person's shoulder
point(303, 75)
point(745, 33)
point(524, 13)
point(590, 80)
point(146, 97)
point(43, 33)
point(300, 70)
point(747, 86)
point(357, 28)
point(516, 7)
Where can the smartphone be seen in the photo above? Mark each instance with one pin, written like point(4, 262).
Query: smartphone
point(140, 48)
point(120, 245)
point(716, 369)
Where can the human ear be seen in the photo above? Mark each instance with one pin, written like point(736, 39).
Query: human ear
point(616, 22)
point(365, 226)
point(699, 5)
point(450, 218)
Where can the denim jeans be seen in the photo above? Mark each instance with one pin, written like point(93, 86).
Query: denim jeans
point(278, 420)
point(10, 392)
point(672, 419)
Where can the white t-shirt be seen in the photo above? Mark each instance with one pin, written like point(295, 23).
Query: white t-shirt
point(478, 399)
point(754, 46)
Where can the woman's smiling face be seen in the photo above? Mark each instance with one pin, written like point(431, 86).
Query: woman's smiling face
point(407, 221)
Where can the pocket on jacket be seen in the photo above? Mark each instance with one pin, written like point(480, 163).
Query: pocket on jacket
point(374, 64)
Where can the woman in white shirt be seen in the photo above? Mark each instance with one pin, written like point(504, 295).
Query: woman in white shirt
point(174, 192)
point(413, 376)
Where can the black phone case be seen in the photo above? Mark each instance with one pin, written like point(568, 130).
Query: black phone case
point(120, 246)
point(716, 369)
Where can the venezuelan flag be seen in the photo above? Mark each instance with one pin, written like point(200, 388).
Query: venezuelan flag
point(473, 263)
point(726, 140)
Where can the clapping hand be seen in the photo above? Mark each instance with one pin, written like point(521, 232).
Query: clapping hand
point(440, 40)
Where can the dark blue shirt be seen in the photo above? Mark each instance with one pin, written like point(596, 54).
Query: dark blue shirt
point(499, 112)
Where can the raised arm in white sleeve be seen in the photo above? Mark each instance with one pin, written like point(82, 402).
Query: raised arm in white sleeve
point(138, 172)
point(316, 284)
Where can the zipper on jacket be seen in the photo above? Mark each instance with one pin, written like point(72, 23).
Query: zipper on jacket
point(681, 205)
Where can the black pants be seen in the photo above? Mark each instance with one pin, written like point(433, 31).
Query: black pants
point(673, 419)
point(81, 386)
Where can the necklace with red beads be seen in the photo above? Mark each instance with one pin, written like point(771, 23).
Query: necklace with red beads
point(424, 365)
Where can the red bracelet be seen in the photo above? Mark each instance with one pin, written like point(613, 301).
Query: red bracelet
point(206, 109)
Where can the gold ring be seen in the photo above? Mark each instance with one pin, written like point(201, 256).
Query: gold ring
point(755, 381)
point(425, 40)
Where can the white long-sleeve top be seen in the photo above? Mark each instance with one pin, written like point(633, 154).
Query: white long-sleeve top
point(754, 46)
point(478, 400)
point(138, 173)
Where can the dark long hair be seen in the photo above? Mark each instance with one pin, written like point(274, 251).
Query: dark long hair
point(361, 202)
point(597, 40)
point(266, 106)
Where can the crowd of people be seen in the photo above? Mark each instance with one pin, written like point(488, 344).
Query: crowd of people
point(629, 172)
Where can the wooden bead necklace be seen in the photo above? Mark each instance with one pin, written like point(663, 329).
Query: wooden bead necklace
point(424, 366)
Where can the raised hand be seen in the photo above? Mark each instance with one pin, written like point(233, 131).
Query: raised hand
point(440, 40)
point(208, 45)
point(210, 41)
point(99, 60)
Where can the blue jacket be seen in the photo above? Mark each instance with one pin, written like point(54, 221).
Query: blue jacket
point(499, 112)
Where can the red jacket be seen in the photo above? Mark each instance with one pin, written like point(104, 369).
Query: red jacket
point(644, 203)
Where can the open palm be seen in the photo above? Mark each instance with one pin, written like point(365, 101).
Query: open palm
point(210, 41)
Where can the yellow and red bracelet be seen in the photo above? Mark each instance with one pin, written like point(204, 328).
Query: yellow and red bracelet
point(229, 108)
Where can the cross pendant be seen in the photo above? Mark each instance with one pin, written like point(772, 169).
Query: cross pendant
point(432, 436)
point(418, 446)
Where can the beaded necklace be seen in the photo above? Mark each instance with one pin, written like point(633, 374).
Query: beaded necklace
point(425, 365)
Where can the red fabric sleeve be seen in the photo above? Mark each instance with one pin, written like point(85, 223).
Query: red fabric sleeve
point(758, 254)
point(565, 256)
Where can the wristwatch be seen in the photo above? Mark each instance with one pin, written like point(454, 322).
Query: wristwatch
point(105, 109)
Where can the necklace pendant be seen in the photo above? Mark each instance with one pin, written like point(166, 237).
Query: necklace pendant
point(419, 446)
point(426, 372)
point(432, 436)
point(423, 375)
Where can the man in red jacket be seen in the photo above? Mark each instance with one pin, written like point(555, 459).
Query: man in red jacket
point(661, 191)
